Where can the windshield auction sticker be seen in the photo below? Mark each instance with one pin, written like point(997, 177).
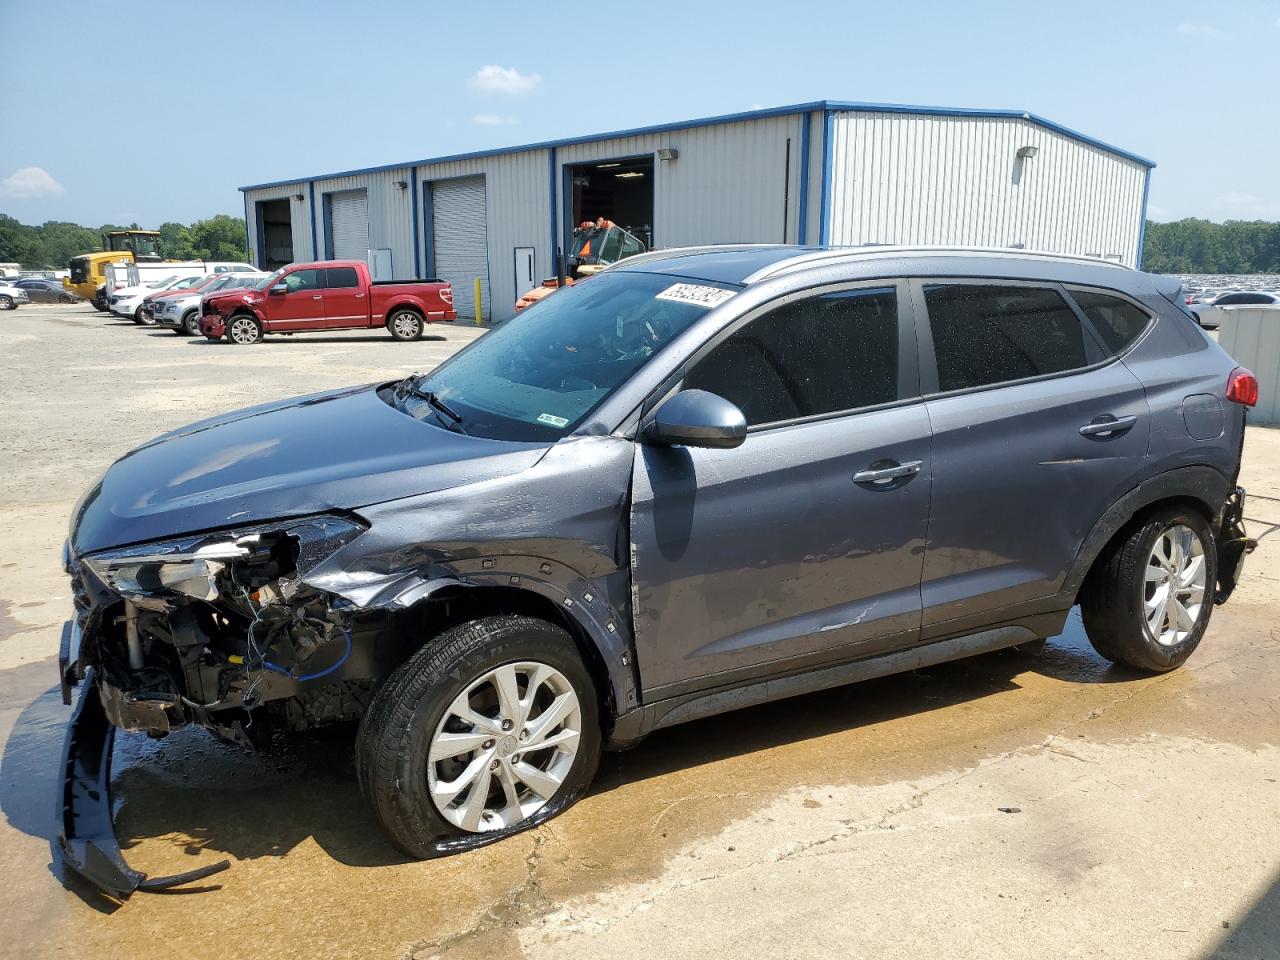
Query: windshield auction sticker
point(552, 419)
point(696, 294)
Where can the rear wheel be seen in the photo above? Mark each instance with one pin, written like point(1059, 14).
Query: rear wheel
point(244, 329)
point(1148, 599)
point(490, 729)
point(405, 324)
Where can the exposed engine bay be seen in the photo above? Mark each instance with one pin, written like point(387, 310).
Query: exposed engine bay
point(207, 628)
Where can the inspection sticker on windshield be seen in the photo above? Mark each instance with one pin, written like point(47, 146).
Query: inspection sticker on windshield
point(696, 294)
point(552, 419)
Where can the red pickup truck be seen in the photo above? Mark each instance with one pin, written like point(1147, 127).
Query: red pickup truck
point(330, 295)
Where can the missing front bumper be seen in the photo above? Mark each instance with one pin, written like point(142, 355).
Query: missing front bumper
point(1234, 544)
point(86, 842)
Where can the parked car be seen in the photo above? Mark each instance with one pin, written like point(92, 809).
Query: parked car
point(12, 297)
point(152, 300)
point(329, 295)
point(1209, 315)
point(586, 525)
point(45, 291)
point(181, 312)
point(127, 301)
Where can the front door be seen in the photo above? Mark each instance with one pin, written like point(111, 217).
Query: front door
point(346, 303)
point(523, 270)
point(302, 306)
point(805, 544)
point(1036, 434)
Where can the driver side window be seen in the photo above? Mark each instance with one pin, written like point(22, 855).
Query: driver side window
point(827, 354)
point(302, 280)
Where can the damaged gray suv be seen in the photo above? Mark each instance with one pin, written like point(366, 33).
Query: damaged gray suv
point(703, 479)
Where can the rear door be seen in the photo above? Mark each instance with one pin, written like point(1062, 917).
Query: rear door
point(789, 550)
point(302, 307)
point(1037, 430)
point(346, 302)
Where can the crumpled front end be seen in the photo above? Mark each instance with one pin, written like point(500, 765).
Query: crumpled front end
point(219, 630)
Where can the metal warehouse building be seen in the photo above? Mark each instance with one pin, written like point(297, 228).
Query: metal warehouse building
point(823, 172)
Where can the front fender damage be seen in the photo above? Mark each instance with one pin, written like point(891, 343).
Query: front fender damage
point(86, 842)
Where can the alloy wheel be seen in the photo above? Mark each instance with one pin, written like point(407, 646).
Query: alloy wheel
point(1174, 585)
point(243, 330)
point(405, 325)
point(504, 747)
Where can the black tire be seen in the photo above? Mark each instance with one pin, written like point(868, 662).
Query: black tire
point(396, 732)
point(6, 303)
point(138, 317)
point(1114, 595)
point(190, 325)
point(66, 298)
point(243, 329)
point(404, 324)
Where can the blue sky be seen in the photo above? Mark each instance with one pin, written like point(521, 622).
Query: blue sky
point(159, 111)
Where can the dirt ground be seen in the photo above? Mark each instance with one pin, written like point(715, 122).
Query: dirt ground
point(1006, 806)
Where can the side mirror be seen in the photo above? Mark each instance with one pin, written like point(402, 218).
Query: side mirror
point(280, 288)
point(696, 418)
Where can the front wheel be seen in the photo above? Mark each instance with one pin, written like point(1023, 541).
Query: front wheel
point(66, 298)
point(490, 729)
point(1148, 599)
point(6, 303)
point(405, 325)
point(244, 329)
point(190, 324)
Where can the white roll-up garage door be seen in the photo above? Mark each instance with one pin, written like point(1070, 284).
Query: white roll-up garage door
point(349, 224)
point(460, 242)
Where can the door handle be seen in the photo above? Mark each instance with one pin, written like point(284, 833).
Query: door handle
point(1107, 425)
point(359, 295)
point(317, 296)
point(887, 474)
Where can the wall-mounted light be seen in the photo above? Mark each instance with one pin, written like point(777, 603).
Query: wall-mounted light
point(607, 166)
point(402, 184)
point(629, 175)
point(668, 153)
point(1026, 153)
point(298, 197)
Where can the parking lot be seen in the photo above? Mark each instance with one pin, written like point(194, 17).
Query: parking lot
point(1015, 805)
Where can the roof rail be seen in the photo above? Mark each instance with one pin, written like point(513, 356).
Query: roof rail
point(674, 253)
point(837, 254)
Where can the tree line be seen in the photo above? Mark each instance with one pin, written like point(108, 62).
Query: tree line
point(1181, 246)
point(52, 244)
point(1200, 246)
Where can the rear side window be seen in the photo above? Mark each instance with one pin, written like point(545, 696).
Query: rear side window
point(1117, 321)
point(342, 277)
point(821, 355)
point(985, 334)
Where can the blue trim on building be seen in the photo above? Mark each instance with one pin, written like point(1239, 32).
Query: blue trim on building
point(824, 105)
point(248, 249)
point(555, 218)
point(429, 229)
point(802, 220)
point(327, 213)
point(824, 226)
point(1142, 231)
point(311, 199)
point(413, 199)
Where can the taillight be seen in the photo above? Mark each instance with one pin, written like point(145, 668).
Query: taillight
point(1242, 387)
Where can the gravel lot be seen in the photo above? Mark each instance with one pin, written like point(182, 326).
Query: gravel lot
point(865, 821)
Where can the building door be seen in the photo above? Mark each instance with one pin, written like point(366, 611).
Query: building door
point(459, 241)
point(523, 270)
point(349, 225)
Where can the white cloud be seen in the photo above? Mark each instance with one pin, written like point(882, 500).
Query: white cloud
point(1202, 30)
point(492, 78)
point(28, 183)
point(492, 120)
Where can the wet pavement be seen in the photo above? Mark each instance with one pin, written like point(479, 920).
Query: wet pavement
point(1012, 805)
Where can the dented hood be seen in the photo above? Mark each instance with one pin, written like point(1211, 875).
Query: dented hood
point(338, 450)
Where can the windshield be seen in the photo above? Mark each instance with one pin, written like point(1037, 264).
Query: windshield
point(536, 376)
point(157, 284)
point(269, 280)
